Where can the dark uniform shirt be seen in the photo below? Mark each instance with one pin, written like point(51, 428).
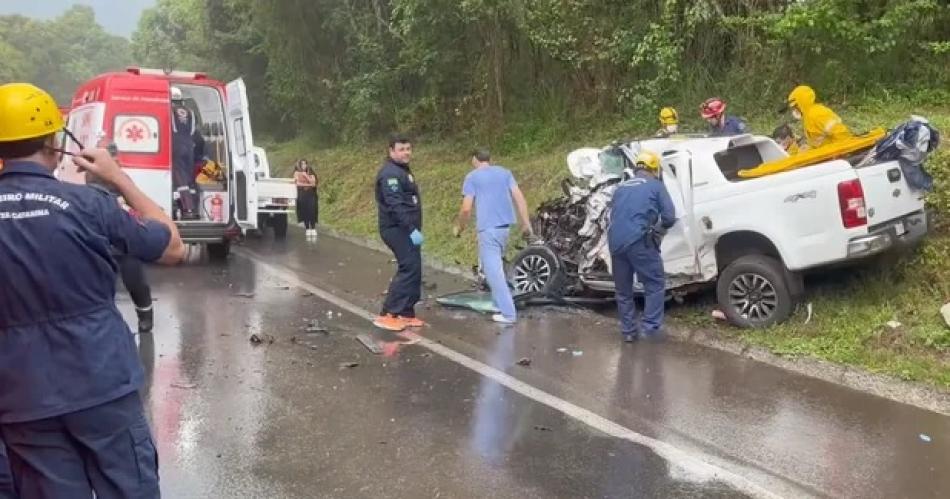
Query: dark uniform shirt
point(636, 206)
point(397, 198)
point(64, 346)
point(730, 126)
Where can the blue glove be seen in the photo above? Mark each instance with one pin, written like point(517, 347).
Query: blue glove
point(416, 237)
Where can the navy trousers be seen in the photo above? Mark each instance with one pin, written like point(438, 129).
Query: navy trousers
point(643, 259)
point(405, 290)
point(6, 478)
point(107, 449)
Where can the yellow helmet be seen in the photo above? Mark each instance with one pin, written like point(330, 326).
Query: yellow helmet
point(648, 160)
point(668, 116)
point(27, 112)
point(802, 97)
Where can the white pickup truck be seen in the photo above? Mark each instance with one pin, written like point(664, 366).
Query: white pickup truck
point(276, 197)
point(751, 238)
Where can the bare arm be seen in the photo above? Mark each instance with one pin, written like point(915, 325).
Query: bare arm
point(522, 206)
point(101, 164)
point(465, 213)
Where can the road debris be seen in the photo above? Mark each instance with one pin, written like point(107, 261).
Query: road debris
point(257, 339)
point(577, 353)
point(244, 295)
point(316, 328)
point(524, 362)
point(348, 365)
point(542, 428)
point(184, 386)
point(369, 343)
point(925, 437)
point(561, 350)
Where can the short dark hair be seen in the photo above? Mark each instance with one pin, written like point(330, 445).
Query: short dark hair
point(482, 154)
point(22, 148)
point(398, 138)
point(783, 132)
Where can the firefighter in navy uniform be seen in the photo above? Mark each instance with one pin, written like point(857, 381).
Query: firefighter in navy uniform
point(400, 226)
point(641, 210)
point(70, 412)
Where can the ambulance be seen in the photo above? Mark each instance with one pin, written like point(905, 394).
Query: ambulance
point(131, 113)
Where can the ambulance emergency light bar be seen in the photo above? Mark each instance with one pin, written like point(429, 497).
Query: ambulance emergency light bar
point(190, 75)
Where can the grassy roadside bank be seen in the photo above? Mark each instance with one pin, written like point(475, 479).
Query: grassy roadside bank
point(851, 308)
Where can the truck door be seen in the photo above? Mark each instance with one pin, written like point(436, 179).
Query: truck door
point(682, 249)
point(241, 142)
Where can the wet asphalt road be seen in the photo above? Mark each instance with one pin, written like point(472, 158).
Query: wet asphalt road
point(291, 419)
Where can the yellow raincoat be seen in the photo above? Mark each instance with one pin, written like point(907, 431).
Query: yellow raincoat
point(211, 172)
point(820, 124)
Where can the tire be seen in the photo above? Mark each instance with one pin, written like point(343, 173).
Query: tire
point(219, 251)
point(753, 292)
point(537, 269)
point(279, 223)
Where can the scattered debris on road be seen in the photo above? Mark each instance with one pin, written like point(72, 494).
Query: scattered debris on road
point(524, 362)
point(561, 350)
point(244, 295)
point(258, 339)
point(577, 353)
point(316, 328)
point(925, 437)
point(184, 386)
point(542, 428)
point(348, 365)
point(369, 343)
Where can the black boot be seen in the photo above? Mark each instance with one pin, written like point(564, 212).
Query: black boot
point(146, 319)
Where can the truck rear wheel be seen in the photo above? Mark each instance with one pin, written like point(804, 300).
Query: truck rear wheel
point(753, 293)
point(219, 251)
point(279, 223)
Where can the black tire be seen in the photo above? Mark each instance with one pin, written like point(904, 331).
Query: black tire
point(537, 269)
point(219, 251)
point(753, 292)
point(279, 223)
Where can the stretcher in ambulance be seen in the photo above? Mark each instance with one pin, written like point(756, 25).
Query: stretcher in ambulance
point(132, 112)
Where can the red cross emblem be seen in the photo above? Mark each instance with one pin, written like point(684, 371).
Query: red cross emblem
point(134, 133)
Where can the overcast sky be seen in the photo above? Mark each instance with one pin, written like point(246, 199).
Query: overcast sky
point(116, 16)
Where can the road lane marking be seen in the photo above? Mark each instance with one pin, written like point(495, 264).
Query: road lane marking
point(694, 464)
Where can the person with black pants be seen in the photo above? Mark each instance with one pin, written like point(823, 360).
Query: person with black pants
point(306, 180)
point(400, 226)
point(132, 271)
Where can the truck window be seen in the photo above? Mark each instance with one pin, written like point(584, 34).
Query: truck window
point(136, 133)
point(737, 158)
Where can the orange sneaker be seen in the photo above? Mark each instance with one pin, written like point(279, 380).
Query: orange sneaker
point(412, 321)
point(389, 323)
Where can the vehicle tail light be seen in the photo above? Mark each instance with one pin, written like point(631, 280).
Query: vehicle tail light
point(851, 199)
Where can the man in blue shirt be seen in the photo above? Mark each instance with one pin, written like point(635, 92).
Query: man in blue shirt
point(70, 413)
point(640, 209)
point(491, 190)
point(713, 110)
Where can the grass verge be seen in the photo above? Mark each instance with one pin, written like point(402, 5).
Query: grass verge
point(851, 308)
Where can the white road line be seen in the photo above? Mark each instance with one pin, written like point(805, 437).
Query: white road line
point(695, 464)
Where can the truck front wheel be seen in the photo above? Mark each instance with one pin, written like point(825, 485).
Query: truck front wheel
point(753, 293)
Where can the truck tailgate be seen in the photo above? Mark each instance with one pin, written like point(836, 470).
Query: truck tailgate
point(886, 193)
point(276, 188)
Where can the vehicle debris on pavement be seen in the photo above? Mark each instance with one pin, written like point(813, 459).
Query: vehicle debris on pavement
point(524, 361)
point(349, 365)
point(258, 339)
point(925, 437)
point(315, 327)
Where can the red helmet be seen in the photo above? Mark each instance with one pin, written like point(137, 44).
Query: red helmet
point(713, 107)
